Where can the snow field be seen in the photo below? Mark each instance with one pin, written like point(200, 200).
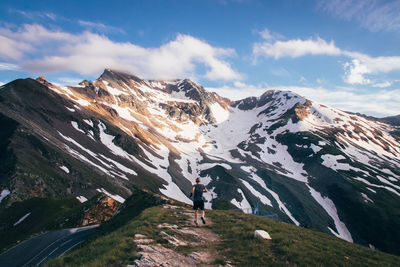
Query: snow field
point(219, 113)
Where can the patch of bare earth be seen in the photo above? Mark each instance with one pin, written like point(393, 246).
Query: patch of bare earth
point(186, 244)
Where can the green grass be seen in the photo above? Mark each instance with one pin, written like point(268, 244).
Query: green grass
point(117, 248)
point(46, 214)
point(290, 245)
point(223, 205)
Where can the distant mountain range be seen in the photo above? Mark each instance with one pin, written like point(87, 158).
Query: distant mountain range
point(296, 160)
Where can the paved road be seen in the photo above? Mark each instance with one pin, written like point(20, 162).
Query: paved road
point(35, 251)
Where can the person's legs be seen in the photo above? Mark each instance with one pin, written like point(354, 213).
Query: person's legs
point(202, 213)
point(195, 208)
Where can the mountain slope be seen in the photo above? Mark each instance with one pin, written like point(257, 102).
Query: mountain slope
point(393, 120)
point(293, 159)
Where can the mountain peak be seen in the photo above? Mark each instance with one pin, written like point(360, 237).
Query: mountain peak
point(110, 74)
point(43, 81)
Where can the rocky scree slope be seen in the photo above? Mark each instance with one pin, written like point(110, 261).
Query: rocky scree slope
point(296, 160)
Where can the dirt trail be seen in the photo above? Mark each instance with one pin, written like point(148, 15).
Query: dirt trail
point(186, 244)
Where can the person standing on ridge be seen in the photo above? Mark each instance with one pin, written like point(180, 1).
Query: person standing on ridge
point(198, 202)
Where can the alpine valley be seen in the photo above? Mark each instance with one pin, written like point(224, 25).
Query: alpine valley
point(287, 157)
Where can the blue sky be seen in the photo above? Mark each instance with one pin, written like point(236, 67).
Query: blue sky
point(345, 54)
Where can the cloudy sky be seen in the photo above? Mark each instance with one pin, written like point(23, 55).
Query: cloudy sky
point(343, 53)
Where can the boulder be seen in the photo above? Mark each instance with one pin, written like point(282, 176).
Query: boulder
point(261, 234)
point(140, 236)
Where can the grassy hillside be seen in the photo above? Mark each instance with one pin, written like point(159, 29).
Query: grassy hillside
point(45, 214)
point(290, 245)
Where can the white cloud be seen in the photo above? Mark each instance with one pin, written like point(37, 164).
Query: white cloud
point(89, 53)
point(281, 71)
point(383, 84)
point(33, 34)
point(357, 71)
point(29, 39)
point(69, 80)
point(360, 66)
point(295, 48)
point(268, 35)
point(11, 49)
point(239, 90)
point(34, 14)
point(8, 66)
point(373, 15)
point(303, 79)
point(99, 26)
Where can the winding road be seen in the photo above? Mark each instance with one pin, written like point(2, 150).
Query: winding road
point(37, 250)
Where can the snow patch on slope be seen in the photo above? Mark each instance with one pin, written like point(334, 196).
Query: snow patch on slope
point(4, 193)
point(331, 161)
point(88, 122)
point(64, 168)
point(260, 196)
point(21, 219)
point(366, 198)
point(209, 196)
point(375, 185)
point(115, 197)
point(330, 208)
point(82, 102)
point(70, 109)
point(75, 125)
point(281, 206)
point(244, 204)
point(81, 199)
point(205, 166)
point(97, 157)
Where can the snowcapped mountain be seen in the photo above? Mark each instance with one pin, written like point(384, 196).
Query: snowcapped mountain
point(296, 160)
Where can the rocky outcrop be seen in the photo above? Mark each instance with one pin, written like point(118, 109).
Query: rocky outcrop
point(303, 110)
point(102, 211)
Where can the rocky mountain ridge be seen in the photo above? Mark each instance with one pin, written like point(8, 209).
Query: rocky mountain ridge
point(300, 161)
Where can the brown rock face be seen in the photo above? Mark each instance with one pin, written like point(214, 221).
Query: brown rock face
point(302, 111)
point(101, 212)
